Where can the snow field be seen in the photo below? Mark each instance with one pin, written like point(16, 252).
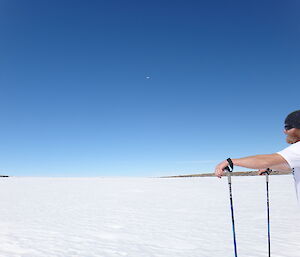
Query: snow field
point(146, 217)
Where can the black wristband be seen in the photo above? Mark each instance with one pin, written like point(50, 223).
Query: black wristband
point(230, 163)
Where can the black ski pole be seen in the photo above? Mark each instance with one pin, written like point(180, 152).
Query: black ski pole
point(267, 172)
point(229, 169)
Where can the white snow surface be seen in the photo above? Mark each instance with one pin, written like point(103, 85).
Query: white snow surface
point(146, 217)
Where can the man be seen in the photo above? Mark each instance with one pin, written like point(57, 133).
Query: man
point(287, 159)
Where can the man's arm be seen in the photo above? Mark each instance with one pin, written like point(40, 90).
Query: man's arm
point(262, 161)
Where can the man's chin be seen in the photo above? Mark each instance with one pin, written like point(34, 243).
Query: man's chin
point(292, 140)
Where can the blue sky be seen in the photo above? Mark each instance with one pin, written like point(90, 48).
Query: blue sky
point(75, 99)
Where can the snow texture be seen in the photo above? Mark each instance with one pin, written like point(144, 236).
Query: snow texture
point(146, 217)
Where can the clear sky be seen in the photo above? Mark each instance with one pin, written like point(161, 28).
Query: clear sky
point(144, 88)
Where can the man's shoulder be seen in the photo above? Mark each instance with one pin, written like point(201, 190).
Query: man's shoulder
point(293, 147)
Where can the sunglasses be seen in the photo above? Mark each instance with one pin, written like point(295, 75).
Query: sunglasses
point(288, 127)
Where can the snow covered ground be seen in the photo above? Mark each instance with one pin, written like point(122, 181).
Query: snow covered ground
point(145, 217)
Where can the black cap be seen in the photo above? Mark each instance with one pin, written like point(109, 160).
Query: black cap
point(293, 119)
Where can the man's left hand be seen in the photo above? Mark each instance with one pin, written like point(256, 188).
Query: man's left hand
point(219, 170)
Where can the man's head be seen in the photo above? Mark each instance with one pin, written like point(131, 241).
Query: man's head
point(292, 127)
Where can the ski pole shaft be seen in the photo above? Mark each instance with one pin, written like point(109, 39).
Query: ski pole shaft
point(267, 172)
point(268, 214)
point(229, 170)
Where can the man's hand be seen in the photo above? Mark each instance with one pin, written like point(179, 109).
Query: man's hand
point(219, 170)
point(262, 171)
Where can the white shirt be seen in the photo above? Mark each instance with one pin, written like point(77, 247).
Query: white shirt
point(292, 155)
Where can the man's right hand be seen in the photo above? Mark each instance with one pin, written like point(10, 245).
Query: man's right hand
point(262, 171)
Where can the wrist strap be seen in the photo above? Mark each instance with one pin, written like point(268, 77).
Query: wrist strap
point(230, 164)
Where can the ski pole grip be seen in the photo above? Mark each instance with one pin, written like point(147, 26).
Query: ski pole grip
point(268, 170)
point(230, 167)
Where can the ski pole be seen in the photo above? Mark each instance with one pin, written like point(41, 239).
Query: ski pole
point(267, 172)
point(229, 169)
